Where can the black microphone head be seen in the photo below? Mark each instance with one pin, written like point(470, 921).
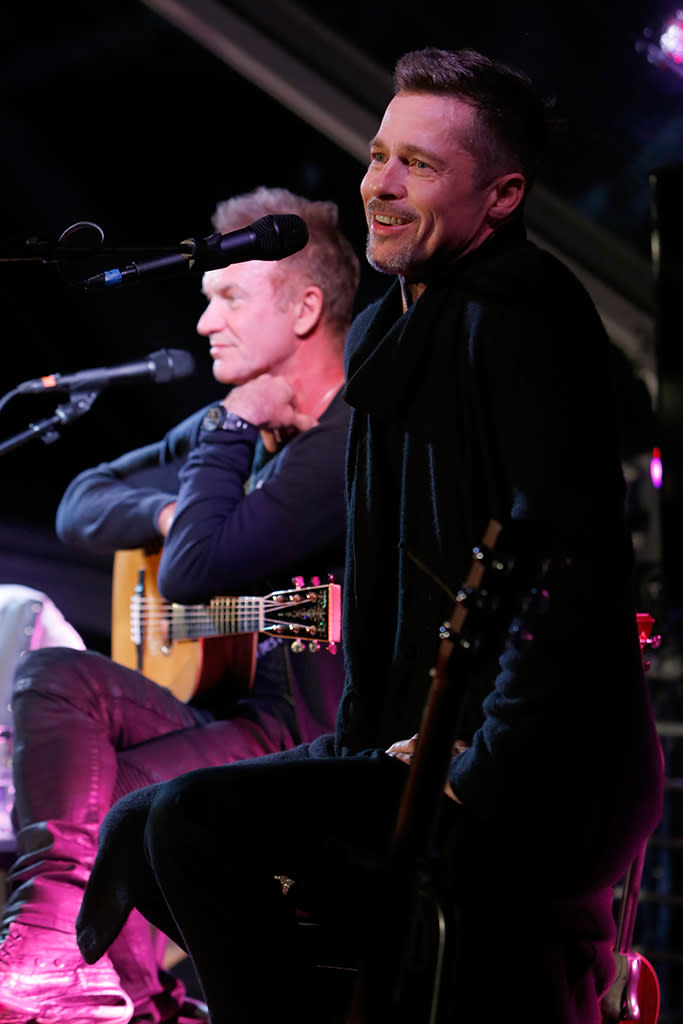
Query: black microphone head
point(279, 235)
point(171, 364)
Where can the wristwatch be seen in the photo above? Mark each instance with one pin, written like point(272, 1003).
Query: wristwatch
point(219, 418)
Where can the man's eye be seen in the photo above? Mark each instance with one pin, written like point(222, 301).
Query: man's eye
point(377, 158)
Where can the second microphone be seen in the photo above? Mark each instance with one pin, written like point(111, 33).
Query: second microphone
point(270, 238)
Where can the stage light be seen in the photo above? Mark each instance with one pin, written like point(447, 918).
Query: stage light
point(665, 48)
point(671, 39)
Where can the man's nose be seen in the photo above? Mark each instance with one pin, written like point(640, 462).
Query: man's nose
point(208, 322)
point(389, 179)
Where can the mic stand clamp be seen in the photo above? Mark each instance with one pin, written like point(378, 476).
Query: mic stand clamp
point(80, 402)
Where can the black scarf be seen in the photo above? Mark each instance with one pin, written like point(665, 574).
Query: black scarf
point(430, 463)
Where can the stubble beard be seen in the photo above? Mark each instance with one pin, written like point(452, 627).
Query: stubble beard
point(395, 261)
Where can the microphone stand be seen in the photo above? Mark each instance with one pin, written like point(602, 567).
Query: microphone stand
point(46, 429)
point(44, 253)
point(91, 237)
point(41, 250)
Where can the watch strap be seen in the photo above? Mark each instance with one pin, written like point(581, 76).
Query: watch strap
point(220, 418)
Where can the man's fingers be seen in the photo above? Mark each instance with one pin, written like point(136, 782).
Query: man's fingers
point(303, 422)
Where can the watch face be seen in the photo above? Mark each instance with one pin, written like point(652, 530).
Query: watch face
point(214, 417)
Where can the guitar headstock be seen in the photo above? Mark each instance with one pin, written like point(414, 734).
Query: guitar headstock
point(500, 598)
point(310, 615)
point(493, 601)
point(474, 595)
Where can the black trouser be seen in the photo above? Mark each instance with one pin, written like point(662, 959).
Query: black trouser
point(215, 840)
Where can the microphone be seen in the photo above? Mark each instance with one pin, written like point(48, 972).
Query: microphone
point(270, 238)
point(164, 365)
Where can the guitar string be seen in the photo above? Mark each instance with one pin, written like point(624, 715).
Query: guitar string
point(149, 613)
point(151, 608)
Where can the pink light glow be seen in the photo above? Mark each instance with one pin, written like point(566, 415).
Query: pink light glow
point(656, 468)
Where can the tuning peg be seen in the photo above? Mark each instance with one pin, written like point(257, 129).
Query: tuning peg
point(298, 647)
point(298, 581)
point(330, 577)
point(332, 647)
point(315, 581)
point(314, 646)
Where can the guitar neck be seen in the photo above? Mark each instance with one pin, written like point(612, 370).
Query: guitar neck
point(142, 617)
point(223, 616)
point(423, 792)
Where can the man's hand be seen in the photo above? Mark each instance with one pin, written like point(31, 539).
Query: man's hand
point(165, 518)
point(268, 402)
point(404, 750)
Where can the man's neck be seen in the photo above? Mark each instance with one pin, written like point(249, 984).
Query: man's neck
point(315, 394)
point(411, 292)
point(317, 378)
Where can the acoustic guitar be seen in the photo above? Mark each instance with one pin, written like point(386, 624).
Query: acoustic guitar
point(497, 598)
point(634, 997)
point(188, 648)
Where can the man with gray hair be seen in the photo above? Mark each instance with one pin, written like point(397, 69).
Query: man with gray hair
point(241, 498)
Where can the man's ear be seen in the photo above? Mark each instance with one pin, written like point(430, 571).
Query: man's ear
point(508, 192)
point(309, 309)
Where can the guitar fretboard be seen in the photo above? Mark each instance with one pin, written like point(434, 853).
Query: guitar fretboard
point(220, 617)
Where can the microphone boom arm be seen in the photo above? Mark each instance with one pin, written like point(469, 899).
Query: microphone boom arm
point(46, 429)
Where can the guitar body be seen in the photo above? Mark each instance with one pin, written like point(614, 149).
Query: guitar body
point(634, 996)
point(649, 995)
point(186, 667)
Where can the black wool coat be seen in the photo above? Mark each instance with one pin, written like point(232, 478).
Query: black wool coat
point(491, 397)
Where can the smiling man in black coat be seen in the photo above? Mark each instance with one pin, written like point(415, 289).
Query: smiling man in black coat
point(480, 391)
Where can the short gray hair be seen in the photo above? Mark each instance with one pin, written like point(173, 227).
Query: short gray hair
point(327, 260)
